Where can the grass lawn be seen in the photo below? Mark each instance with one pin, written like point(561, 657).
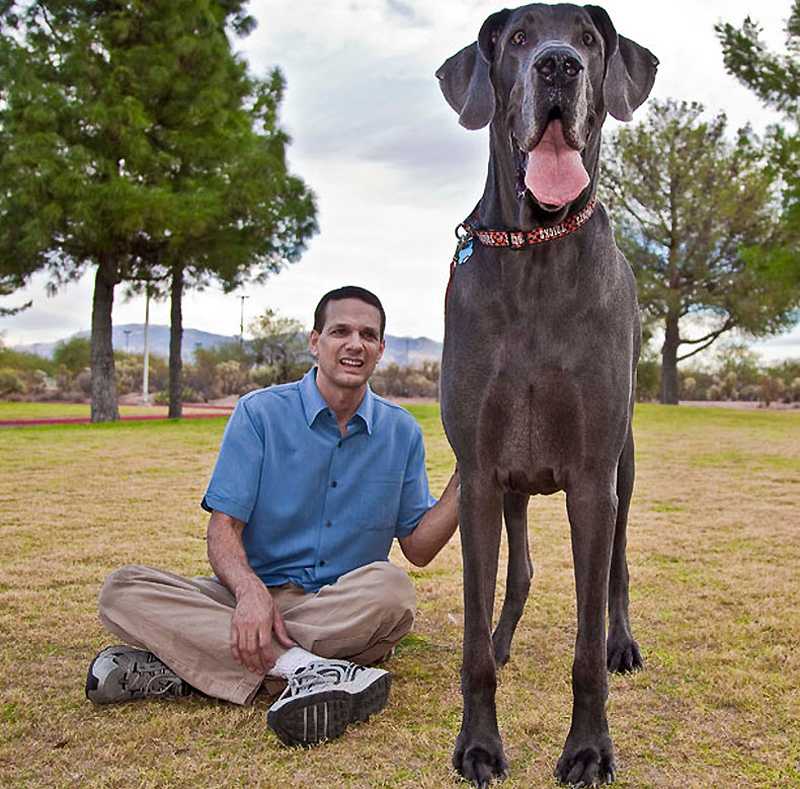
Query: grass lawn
point(715, 598)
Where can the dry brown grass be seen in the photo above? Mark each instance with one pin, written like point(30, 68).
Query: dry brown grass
point(714, 555)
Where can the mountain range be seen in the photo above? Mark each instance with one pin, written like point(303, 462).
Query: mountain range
point(130, 337)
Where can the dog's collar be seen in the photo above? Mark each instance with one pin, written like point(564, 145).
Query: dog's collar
point(521, 239)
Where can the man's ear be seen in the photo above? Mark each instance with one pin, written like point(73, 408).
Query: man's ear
point(313, 341)
point(465, 80)
point(630, 68)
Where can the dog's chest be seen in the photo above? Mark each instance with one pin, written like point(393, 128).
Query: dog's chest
point(537, 362)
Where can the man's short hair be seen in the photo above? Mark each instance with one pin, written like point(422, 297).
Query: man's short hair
point(347, 292)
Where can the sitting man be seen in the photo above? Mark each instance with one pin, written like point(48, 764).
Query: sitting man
point(314, 480)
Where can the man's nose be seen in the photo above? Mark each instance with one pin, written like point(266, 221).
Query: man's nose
point(557, 64)
point(354, 340)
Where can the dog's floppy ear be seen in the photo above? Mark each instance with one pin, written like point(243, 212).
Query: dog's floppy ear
point(464, 78)
point(630, 68)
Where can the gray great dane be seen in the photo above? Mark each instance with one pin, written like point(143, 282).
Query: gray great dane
point(542, 337)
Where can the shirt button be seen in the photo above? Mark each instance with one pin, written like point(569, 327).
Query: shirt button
point(339, 444)
point(334, 484)
point(328, 524)
point(321, 562)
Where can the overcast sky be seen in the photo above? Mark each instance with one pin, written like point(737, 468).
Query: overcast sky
point(392, 170)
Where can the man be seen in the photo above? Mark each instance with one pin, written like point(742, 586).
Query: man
point(313, 482)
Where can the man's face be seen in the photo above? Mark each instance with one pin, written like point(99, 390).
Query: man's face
point(349, 346)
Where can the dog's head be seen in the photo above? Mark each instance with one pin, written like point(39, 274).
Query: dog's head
point(545, 77)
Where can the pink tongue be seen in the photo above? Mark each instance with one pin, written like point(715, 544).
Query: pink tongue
point(555, 173)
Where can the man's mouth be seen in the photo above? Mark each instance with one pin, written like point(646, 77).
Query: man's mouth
point(552, 171)
point(353, 364)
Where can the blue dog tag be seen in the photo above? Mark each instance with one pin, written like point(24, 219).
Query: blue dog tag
point(464, 252)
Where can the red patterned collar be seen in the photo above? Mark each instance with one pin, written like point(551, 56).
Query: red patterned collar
point(520, 239)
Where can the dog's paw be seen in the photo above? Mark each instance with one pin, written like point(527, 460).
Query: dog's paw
point(623, 656)
point(586, 764)
point(479, 762)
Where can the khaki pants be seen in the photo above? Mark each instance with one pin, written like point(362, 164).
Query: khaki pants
point(186, 622)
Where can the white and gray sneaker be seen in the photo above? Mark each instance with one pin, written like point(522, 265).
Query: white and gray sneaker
point(123, 673)
point(324, 697)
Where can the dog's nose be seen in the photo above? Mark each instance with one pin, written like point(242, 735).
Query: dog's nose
point(558, 65)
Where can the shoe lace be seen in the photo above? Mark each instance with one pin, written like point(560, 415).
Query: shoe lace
point(306, 678)
point(152, 678)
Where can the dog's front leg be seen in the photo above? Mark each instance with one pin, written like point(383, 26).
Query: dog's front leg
point(479, 754)
point(588, 755)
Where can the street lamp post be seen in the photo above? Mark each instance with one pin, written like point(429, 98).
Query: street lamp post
point(241, 323)
point(146, 371)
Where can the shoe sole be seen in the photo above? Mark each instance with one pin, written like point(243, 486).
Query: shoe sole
point(304, 723)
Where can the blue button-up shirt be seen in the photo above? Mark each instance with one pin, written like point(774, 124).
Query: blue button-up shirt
point(317, 504)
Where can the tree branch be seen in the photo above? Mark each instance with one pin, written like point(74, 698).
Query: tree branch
point(711, 335)
point(702, 347)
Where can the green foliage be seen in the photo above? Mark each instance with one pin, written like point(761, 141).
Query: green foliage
point(73, 354)
point(21, 360)
point(775, 79)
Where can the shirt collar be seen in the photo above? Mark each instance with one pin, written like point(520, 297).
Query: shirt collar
point(314, 402)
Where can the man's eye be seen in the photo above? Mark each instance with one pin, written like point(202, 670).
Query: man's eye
point(519, 38)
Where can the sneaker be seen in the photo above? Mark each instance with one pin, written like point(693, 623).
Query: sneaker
point(324, 697)
point(123, 673)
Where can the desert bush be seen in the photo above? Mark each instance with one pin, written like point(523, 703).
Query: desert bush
point(188, 395)
point(263, 375)
point(230, 378)
point(82, 383)
point(396, 381)
point(10, 383)
point(772, 389)
point(22, 361)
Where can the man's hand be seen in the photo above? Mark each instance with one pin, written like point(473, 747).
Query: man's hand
point(255, 619)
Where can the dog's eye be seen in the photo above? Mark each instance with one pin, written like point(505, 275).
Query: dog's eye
point(519, 38)
point(588, 38)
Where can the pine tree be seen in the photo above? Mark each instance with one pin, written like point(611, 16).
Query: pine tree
point(686, 201)
point(775, 79)
point(137, 143)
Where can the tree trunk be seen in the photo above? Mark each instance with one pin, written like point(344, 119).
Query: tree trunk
point(669, 362)
point(104, 384)
point(175, 341)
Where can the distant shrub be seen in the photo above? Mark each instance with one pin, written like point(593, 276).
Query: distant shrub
point(75, 354)
point(188, 395)
point(10, 383)
point(648, 379)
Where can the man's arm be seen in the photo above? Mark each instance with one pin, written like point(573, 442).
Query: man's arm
point(256, 617)
point(435, 528)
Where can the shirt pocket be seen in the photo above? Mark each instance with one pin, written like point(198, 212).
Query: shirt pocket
point(381, 503)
